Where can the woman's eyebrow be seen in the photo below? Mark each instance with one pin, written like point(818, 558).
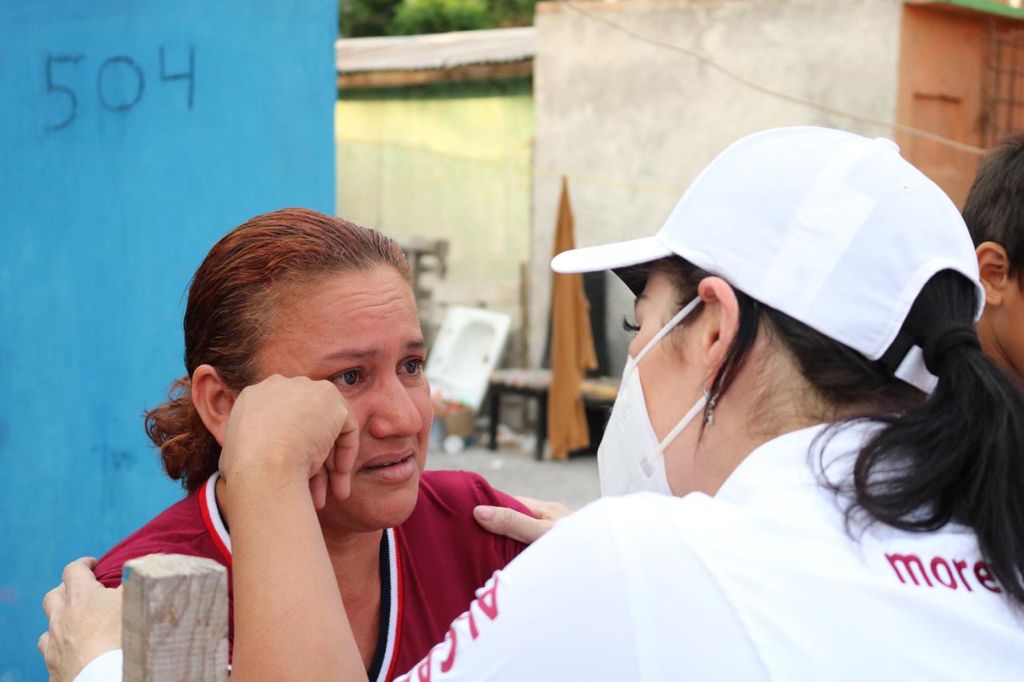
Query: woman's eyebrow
point(418, 345)
point(354, 354)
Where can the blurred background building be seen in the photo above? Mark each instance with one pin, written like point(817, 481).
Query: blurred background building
point(629, 100)
point(632, 99)
point(433, 141)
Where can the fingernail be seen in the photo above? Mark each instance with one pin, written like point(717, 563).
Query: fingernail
point(484, 513)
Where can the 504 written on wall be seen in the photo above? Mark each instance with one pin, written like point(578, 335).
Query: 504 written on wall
point(116, 83)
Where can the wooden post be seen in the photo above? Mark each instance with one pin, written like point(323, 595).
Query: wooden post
point(175, 619)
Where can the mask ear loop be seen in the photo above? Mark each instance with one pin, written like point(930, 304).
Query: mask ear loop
point(682, 423)
point(669, 326)
point(706, 400)
point(645, 464)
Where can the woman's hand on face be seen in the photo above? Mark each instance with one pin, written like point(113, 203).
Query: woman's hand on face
point(519, 526)
point(286, 428)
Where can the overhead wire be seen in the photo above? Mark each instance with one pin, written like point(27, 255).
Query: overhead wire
point(771, 92)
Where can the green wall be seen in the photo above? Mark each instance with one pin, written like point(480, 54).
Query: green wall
point(444, 161)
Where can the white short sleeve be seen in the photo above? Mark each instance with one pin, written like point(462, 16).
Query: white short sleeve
point(548, 615)
point(685, 626)
point(606, 595)
point(106, 667)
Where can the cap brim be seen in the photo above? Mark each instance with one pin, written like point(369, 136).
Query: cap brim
point(610, 256)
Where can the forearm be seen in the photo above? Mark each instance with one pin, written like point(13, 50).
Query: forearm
point(290, 622)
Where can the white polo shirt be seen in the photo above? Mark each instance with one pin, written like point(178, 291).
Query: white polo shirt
point(760, 582)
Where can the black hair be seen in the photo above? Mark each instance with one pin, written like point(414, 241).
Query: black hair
point(957, 455)
point(994, 210)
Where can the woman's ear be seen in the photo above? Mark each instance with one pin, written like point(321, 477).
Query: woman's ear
point(994, 269)
point(722, 315)
point(213, 400)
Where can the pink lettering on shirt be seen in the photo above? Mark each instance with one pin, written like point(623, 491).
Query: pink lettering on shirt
point(911, 569)
point(485, 604)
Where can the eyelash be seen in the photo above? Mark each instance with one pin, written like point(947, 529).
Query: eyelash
point(339, 375)
point(419, 363)
point(629, 326)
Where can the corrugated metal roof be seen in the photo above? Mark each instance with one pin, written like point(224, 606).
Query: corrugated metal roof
point(435, 51)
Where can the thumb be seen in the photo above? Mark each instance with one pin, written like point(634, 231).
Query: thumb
point(341, 462)
point(510, 523)
point(318, 488)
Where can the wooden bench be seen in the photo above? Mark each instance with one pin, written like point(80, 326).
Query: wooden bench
point(535, 384)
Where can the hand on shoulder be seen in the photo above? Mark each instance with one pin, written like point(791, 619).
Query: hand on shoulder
point(85, 621)
point(519, 526)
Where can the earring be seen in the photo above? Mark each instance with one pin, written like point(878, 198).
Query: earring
point(709, 412)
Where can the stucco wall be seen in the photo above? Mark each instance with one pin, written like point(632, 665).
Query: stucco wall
point(444, 162)
point(632, 124)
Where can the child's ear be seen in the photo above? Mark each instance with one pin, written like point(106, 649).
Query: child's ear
point(994, 269)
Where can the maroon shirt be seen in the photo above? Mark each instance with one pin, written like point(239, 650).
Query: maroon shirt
point(431, 565)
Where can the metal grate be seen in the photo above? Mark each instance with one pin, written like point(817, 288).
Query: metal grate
point(1003, 85)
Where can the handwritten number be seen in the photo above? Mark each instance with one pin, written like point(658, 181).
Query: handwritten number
point(189, 75)
point(140, 83)
point(115, 80)
point(52, 87)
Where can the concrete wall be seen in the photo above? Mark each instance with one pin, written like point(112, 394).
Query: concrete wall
point(447, 161)
point(133, 135)
point(632, 124)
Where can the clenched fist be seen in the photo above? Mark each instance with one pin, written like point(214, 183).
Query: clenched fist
point(293, 427)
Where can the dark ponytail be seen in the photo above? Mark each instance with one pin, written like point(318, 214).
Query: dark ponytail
point(957, 455)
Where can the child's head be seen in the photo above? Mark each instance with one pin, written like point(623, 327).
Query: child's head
point(994, 213)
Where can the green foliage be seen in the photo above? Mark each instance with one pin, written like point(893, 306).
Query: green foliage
point(357, 18)
point(406, 17)
point(439, 16)
point(505, 13)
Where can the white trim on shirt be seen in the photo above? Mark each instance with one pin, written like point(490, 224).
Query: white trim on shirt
point(208, 501)
point(210, 498)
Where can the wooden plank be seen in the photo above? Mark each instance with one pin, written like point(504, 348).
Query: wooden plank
point(175, 619)
point(600, 389)
point(468, 72)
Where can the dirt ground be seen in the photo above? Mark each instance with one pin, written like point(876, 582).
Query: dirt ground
point(573, 482)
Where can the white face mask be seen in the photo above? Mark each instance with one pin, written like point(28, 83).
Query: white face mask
point(630, 458)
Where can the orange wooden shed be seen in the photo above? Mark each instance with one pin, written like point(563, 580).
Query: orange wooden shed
point(961, 75)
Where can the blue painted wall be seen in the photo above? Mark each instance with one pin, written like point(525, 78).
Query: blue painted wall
point(133, 133)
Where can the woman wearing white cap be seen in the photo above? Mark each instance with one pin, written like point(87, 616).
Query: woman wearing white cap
point(841, 469)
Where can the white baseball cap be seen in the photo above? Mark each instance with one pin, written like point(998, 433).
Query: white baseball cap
point(833, 229)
